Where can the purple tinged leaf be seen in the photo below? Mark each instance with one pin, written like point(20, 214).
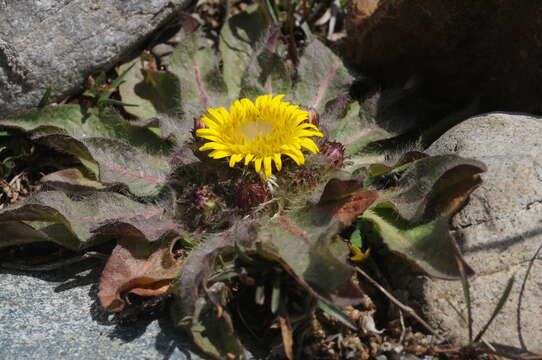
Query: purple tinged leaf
point(198, 69)
point(152, 91)
point(193, 308)
point(144, 175)
point(72, 222)
point(111, 163)
point(322, 77)
point(78, 123)
point(18, 233)
point(240, 37)
point(347, 122)
point(72, 180)
point(416, 185)
point(413, 219)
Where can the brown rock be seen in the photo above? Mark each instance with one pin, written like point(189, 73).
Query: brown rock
point(460, 48)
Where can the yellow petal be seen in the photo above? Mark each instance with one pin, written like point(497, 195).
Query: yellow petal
point(258, 164)
point(359, 255)
point(219, 154)
point(267, 166)
point(216, 115)
point(248, 158)
point(309, 145)
point(234, 159)
point(206, 132)
point(278, 161)
point(213, 146)
point(294, 157)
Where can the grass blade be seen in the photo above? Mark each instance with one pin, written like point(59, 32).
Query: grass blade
point(466, 295)
point(498, 308)
point(45, 98)
point(337, 314)
point(115, 84)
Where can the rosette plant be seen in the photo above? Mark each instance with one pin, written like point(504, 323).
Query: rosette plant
point(232, 184)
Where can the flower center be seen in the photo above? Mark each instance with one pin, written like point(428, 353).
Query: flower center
point(254, 128)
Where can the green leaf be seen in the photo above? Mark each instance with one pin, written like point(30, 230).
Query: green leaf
point(215, 336)
point(74, 121)
point(71, 222)
point(337, 314)
point(414, 222)
point(106, 94)
point(192, 308)
point(239, 37)
point(434, 185)
point(266, 74)
point(110, 162)
point(144, 175)
point(322, 76)
point(348, 123)
point(72, 180)
point(355, 239)
point(428, 244)
point(305, 242)
point(153, 91)
point(18, 233)
point(198, 69)
point(502, 300)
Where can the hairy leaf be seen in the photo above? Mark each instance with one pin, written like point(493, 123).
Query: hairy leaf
point(110, 162)
point(322, 76)
point(70, 222)
point(144, 175)
point(266, 74)
point(75, 121)
point(347, 122)
point(239, 37)
point(198, 69)
point(432, 184)
point(152, 91)
point(427, 244)
point(414, 223)
point(305, 242)
point(72, 180)
point(193, 308)
point(137, 266)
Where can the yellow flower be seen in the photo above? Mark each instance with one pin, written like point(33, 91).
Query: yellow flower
point(259, 132)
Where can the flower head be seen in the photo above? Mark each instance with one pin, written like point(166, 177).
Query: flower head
point(258, 132)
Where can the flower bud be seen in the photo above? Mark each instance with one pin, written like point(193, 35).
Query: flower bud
point(205, 200)
point(198, 124)
point(334, 151)
point(251, 194)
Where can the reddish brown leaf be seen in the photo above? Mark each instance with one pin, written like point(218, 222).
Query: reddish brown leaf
point(343, 201)
point(139, 267)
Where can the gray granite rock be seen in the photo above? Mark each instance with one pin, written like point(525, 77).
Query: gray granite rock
point(55, 315)
point(59, 43)
point(499, 231)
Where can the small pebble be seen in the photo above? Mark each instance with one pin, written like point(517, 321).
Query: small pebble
point(162, 50)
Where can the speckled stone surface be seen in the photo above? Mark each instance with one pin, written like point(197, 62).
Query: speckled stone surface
point(499, 231)
point(55, 315)
point(59, 43)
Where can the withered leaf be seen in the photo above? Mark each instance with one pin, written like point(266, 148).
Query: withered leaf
point(140, 267)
